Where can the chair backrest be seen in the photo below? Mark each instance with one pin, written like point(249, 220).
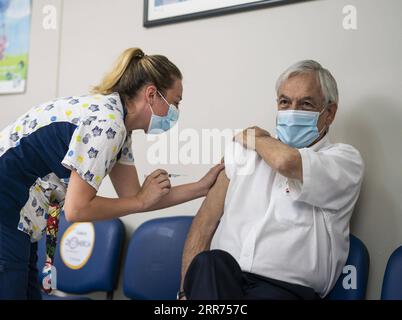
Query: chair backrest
point(392, 283)
point(87, 257)
point(352, 282)
point(153, 259)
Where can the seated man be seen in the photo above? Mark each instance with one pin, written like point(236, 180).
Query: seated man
point(277, 225)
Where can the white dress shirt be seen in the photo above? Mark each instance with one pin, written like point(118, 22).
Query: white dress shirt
point(286, 229)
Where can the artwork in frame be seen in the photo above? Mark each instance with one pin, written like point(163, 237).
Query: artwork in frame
point(15, 17)
point(160, 12)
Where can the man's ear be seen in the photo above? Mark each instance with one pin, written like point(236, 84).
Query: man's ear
point(332, 109)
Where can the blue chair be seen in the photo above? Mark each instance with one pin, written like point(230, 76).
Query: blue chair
point(153, 259)
point(392, 283)
point(99, 272)
point(359, 261)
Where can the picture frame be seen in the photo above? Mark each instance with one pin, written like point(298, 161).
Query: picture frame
point(15, 21)
point(162, 12)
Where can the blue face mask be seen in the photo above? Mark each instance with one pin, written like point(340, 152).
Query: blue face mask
point(298, 129)
point(160, 124)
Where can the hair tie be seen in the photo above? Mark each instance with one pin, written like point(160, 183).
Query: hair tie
point(140, 55)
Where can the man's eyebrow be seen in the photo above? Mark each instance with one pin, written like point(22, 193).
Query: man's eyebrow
point(308, 98)
point(284, 96)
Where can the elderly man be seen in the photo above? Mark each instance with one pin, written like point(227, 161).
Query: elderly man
point(276, 225)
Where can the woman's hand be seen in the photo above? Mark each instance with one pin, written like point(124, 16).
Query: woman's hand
point(155, 186)
point(209, 179)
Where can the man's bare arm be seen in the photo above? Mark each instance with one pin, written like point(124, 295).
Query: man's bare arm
point(279, 156)
point(286, 160)
point(205, 223)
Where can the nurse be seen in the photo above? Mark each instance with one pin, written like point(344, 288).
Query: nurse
point(59, 152)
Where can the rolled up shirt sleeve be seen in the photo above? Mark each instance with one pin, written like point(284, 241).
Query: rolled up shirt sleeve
point(229, 160)
point(331, 177)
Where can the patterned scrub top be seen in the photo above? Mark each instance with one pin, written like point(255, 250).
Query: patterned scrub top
point(39, 150)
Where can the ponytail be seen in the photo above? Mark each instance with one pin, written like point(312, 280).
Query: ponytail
point(134, 69)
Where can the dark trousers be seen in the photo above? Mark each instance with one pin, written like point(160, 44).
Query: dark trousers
point(216, 275)
point(18, 272)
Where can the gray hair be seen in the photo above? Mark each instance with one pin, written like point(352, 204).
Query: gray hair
point(327, 82)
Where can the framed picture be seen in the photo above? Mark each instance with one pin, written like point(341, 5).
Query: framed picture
point(159, 12)
point(15, 17)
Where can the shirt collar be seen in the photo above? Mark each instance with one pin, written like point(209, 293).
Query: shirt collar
point(117, 96)
point(321, 144)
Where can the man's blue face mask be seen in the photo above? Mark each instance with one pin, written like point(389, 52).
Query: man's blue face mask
point(297, 128)
point(160, 124)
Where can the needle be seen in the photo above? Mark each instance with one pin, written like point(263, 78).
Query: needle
point(170, 175)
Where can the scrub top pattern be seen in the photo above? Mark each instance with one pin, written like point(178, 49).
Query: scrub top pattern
point(39, 150)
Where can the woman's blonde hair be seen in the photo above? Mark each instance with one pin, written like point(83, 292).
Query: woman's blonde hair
point(134, 69)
